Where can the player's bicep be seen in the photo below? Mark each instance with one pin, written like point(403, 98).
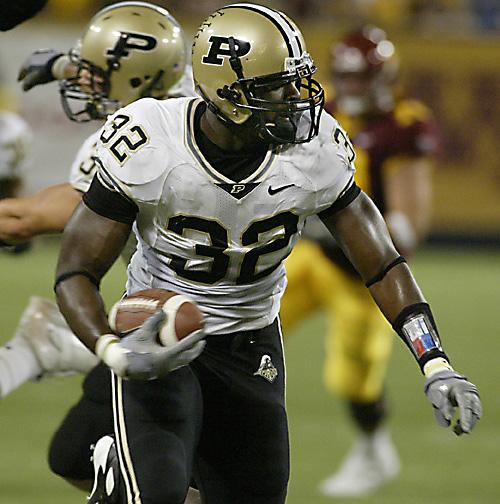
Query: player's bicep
point(362, 233)
point(91, 243)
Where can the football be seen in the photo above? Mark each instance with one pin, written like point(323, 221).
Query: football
point(182, 314)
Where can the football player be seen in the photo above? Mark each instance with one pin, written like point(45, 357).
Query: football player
point(395, 140)
point(129, 50)
point(15, 141)
point(217, 190)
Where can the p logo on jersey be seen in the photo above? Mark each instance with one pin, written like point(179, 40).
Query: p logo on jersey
point(129, 40)
point(219, 48)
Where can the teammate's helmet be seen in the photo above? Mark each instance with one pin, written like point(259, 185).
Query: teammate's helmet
point(243, 52)
point(364, 67)
point(128, 51)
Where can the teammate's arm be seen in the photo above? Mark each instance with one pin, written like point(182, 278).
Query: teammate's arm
point(408, 190)
point(43, 66)
point(47, 211)
point(364, 238)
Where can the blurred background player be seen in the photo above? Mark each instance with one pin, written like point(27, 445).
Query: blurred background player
point(15, 140)
point(395, 139)
point(129, 50)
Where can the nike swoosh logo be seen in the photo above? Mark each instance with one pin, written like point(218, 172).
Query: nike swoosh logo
point(272, 191)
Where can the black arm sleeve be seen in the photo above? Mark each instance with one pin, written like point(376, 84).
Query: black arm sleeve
point(347, 196)
point(111, 204)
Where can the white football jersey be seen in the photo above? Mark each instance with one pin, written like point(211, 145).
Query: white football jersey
point(220, 242)
point(15, 138)
point(84, 166)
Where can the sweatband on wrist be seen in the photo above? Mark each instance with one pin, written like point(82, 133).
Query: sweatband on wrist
point(111, 354)
point(436, 365)
point(59, 66)
point(416, 327)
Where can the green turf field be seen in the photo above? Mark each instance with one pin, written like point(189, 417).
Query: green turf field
point(438, 468)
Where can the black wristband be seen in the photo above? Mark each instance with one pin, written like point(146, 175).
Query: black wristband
point(417, 328)
point(69, 274)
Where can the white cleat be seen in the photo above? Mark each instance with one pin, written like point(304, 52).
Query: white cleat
point(105, 489)
point(371, 462)
point(56, 348)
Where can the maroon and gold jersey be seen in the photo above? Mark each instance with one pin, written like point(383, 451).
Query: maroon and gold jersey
point(381, 142)
point(408, 131)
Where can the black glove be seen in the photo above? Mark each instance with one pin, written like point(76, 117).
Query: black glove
point(37, 68)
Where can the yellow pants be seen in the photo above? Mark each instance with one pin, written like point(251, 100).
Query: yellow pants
point(359, 339)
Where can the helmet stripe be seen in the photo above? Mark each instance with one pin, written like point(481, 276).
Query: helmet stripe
point(289, 34)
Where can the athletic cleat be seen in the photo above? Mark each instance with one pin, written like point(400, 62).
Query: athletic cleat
point(106, 472)
point(371, 462)
point(56, 348)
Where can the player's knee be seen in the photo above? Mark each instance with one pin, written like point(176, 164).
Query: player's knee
point(67, 460)
point(59, 462)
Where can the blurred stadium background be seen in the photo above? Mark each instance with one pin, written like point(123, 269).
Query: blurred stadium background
point(450, 52)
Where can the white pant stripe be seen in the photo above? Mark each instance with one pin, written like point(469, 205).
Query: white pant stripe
point(125, 461)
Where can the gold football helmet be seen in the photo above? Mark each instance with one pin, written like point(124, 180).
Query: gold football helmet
point(128, 51)
point(244, 52)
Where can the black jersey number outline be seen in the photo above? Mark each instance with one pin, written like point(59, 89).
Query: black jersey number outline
point(287, 221)
point(132, 139)
point(339, 132)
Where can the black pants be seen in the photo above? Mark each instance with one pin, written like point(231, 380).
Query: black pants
point(87, 421)
point(221, 420)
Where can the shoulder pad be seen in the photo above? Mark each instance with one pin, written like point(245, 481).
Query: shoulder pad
point(133, 144)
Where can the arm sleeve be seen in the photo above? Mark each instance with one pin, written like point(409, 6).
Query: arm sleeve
point(109, 203)
point(348, 195)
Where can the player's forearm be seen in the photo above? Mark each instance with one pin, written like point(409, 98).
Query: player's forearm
point(46, 212)
point(395, 291)
point(409, 202)
point(16, 222)
point(83, 308)
point(91, 244)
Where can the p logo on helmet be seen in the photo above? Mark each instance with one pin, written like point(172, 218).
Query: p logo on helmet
point(129, 40)
point(216, 51)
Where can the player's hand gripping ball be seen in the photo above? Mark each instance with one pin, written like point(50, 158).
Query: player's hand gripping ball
point(183, 317)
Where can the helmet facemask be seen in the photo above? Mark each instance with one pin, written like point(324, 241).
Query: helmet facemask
point(85, 96)
point(284, 121)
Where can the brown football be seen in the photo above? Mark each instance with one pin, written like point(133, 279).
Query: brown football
point(182, 314)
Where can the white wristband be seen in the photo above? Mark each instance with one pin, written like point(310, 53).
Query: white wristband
point(114, 356)
point(435, 365)
point(59, 66)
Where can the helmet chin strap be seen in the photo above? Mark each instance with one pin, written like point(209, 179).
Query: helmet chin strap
point(282, 130)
